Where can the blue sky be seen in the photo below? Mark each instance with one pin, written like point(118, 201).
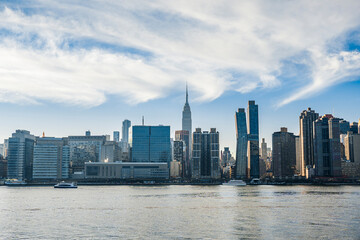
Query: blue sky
point(70, 66)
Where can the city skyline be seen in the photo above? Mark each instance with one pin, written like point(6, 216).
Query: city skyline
point(64, 82)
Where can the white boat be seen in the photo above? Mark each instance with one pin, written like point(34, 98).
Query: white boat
point(15, 183)
point(64, 184)
point(235, 183)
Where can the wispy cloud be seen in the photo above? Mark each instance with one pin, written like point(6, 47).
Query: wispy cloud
point(78, 52)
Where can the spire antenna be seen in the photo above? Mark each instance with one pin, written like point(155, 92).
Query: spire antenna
point(187, 95)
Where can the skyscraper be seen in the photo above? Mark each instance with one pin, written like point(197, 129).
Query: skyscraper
point(284, 153)
point(354, 127)
point(327, 148)
point(307, 118)
point(263, 149)
point(186, 121)
point(241, 144)
point(20, 155)
point(225, 157)
point(205, 160)
point(116, 136)
point(126, 124)
point(298, 155)
point(344, 126)
point(352, 147)
point(184, 135)
point(253, 139)
point(151, 144)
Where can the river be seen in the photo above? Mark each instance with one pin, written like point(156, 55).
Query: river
point(180, 212)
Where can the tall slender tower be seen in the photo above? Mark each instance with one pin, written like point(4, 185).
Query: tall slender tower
point(186, 120)
point(253, 139)
point(241, 144)
point(125, 130)
point(307, 118)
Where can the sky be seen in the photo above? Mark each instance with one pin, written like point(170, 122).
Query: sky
point(71, 66)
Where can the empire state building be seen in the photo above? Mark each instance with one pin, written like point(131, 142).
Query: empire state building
point(186, 119)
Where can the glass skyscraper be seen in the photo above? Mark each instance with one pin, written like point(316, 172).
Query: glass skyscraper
point(241, 144)
point(151, 144)
point(253, 139)
point(126, 124)
point(20, 155)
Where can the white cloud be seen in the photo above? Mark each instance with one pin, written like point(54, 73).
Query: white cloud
point(215, 46)
point(328, 71)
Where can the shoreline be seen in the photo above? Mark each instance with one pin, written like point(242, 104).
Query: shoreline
point(179, 184)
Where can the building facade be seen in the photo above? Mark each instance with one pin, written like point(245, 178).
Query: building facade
point(151, 144)
point(127, 171)
point(110, 152)
point(51, 158)
point(225, 157)
point(284, 153)
point(179, 151)
point(253, 139)
point(298, 155)
point(205, 160)
point(116, 136)
point(85, 149)
point(184, 136)
point(352, 147)
point(20, 155)
point(126, 124)
point(187, 124)
point(241, 168)
point(307, 118)
point(354, 127)
point(327, 150)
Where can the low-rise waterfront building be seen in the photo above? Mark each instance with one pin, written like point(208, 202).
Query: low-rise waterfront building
point(128, 170)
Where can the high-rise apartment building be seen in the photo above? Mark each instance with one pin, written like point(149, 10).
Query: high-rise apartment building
point(263, 149)
point(284, 153)
point(253, 139)
point(151, 144)
point(344, 126)
point(327, 148)
point(352, 147)
point(184, 136)
point(20, 155)
point(179, 151)
point(307, 118)
point(205, 159)
point(241, 168)
point(116, 136)
point(298, 155)
point(51, 158)
point(354, 127)
point(225, 157)
point(187, 122)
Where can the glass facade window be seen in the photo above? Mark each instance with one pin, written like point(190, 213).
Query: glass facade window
point(151, 144)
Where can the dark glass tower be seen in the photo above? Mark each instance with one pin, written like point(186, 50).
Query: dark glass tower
point(307, 118)
point(241, 144)
point(253, 140)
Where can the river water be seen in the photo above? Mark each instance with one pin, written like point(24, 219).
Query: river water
point(180, 212)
